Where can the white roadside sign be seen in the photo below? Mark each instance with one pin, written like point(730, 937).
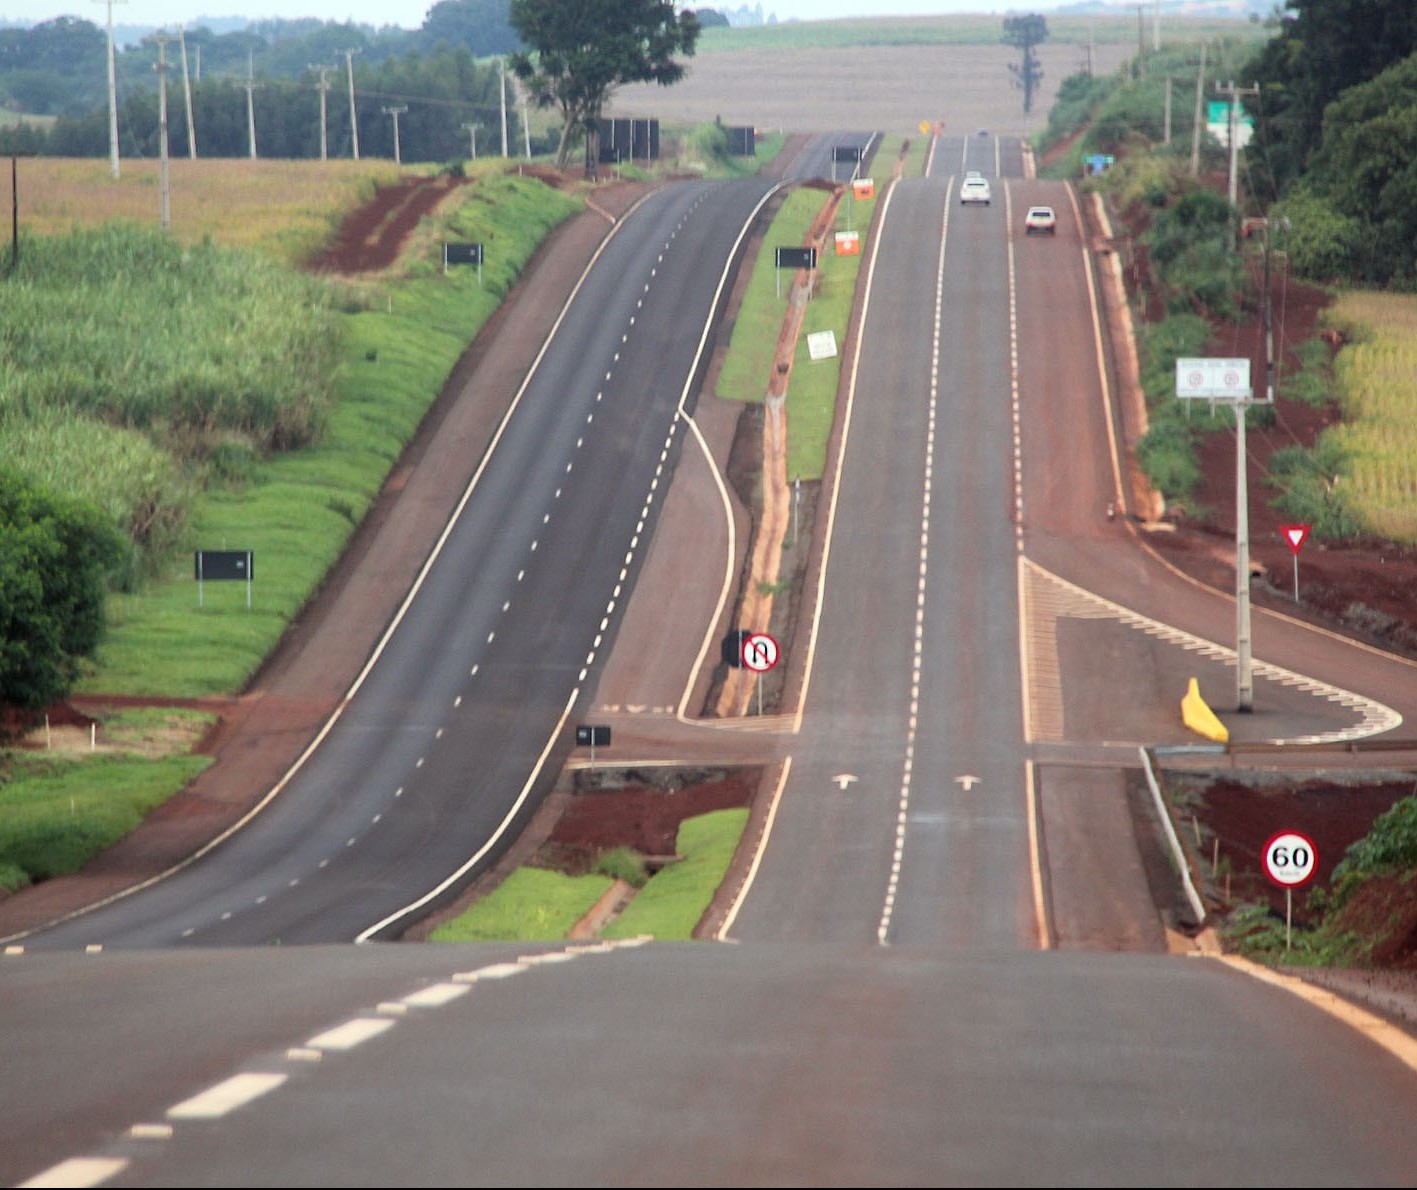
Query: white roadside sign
point(1213, 379)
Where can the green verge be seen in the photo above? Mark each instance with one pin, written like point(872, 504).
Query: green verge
point(57, 812)
point(530, 905)
point(296, 512)
point(752, 349)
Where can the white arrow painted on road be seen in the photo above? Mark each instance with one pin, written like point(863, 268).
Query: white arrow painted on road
point(843, 780)
point(968, 781)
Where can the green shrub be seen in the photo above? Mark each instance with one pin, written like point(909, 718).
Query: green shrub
point(1390, 846)
point(622, 863)
point(1166, 453)
point(1322, 243)
point(1309, 492)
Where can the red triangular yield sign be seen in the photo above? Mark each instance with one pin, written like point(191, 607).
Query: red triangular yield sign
point(1295, 535)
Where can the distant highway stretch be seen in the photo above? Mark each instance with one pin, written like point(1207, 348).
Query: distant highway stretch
point(946, 965)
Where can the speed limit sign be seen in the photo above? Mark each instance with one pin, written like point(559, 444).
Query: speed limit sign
point(1290, 859)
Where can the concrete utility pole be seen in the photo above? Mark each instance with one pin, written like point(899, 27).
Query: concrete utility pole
point(1235, 93)
point(250, 104)
point(187, 93)
point(353, 112)
point(164, 204)
point(395, 112)
point(112, 96)
point(324, 123)
point(502, 96)
point(471, 130)
point(1197, 125)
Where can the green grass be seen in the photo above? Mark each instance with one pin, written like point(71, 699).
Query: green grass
point(57, 812)
point(671, 904)
point(530, 905)
point(297, 511)
point(811, 392)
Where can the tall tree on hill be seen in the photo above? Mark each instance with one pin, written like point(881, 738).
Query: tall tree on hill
point(1024, 33)
point(579, 53)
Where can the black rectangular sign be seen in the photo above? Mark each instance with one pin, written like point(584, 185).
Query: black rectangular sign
point(462, 254)
point(214, 566)
point(595, 735)
point(742, 141)
point(623, 139)
point(796, 258)
point(846, 152)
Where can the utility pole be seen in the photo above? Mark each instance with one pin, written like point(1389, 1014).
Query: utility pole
point(1197, 125)
point(187, 93)
point(395, 112)
point(502, 96)
point(112, 96)
point(250, 104)
point(324, 91)
point(471, 130)
point(164, 205)
point(353, 112)
point(1235, 93)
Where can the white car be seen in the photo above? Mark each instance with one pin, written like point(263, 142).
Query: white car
point(974, 190)
point(1041, 220)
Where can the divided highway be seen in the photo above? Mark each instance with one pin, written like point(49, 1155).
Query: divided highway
point(911, 993)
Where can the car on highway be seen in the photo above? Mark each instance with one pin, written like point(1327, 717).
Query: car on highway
point(1041, 220)
point(974, 190)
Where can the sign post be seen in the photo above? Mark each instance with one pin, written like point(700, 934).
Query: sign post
point(793, 258)
point(1228, 380)
point(1295, 535)
point(1290, 860)
point(592, 734)
point(463, 254)
point(760, 655)
point(223, 566)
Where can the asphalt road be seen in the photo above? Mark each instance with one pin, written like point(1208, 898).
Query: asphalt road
point(897, 1006)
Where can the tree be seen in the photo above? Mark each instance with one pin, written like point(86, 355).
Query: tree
point(1322, 49)
point(56, 554)
point(579, 53)
point(1024, 33)
point(479, 25)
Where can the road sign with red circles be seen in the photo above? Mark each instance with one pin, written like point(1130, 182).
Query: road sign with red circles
point(1290, 859)
point(759, 652)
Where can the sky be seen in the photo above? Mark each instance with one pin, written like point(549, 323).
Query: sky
point(409, 13)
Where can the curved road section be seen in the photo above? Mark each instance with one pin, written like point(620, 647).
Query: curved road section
point(459, 725)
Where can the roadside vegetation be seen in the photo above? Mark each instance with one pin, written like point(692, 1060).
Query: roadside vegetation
point(1356, 479)
point(194, 467)
point(1348, 933)
point(213, 469)
point(1322, 190)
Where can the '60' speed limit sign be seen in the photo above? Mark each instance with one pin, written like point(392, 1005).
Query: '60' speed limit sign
point(1290, 859)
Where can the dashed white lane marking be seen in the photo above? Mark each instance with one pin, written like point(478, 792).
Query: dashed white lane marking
point(349, 1034)
point(226, 1096)
point(78, 1171)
